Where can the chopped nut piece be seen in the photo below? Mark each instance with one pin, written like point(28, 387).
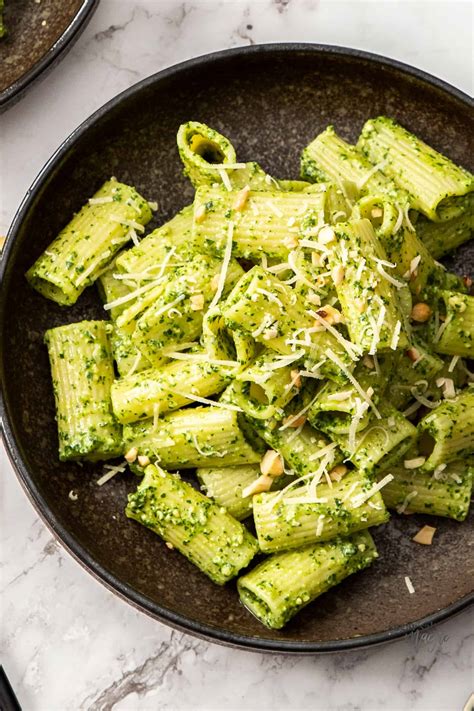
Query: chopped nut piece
point(215, 282)
point(330, 315)
point(369, 362)
point(169, 545)
point(263, 483)
point(200, 213)
point(413, 354)
point(361, 305)
point(241, 198)
point(425, 535)
point(338, 472)
point(414, 463)
point(131, 454)
point(317, 260)
point(292, 422)
point(197, 302)
point(143, 460)
point(376, 212)
point(338, 274)
point(326, 235)
point(271, 464)
point(421, 312)
point(291, 242)
point(296, 378)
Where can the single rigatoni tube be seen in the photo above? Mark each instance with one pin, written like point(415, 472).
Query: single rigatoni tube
point(187, 520)
point(89, 242)
point(200, 149)
point(446, 492)
point(216, 337)
point(266, 223)
point(433, 181)
point(400, 242)
point(284, 583)
point(194, 437)
point(82, 372)
point(448, 431)
point(303, 515)
point(329, 157)
point(337, 405)
point(139, 395)
point(367, 291)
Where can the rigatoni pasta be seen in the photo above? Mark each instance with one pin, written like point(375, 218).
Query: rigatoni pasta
point(292, 347)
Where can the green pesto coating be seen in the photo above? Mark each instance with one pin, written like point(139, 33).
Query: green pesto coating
point(172, 317)
point(447, 494)
point(193, 437)
point(433, 182)
point(367, 297)
point(279, 587)
point(456, 334)
point(277, 323)
point(284, 520)
point(138, 396)
point(82, 374)
point(88, 243)
point(382, 443)
point(451, 429)
point(335, 405)
point(263, 392)
point(260, 224)
point(441, 238)
point(193, 524)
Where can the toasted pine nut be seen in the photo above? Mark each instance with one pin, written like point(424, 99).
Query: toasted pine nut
point(271, 464)
point(338, 274)
point(263, 483)
point(338, 472)
point(413, 354)
point(421, 312)
point(296, 378)
point(197, 302)
point(241, 198)
point(131, 454)
point(143, 460)
point(200, 213)
point(291, 422)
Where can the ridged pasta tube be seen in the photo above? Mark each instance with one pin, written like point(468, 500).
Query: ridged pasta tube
point(284, 583)
point(198, 528)
point(82, 373)
point(89, 242)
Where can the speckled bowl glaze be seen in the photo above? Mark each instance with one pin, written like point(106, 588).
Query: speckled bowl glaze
point(38, 35)
point(270, 100)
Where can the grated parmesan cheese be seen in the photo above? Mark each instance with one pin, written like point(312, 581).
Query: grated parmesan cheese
point(225, 266)
point(409, 585)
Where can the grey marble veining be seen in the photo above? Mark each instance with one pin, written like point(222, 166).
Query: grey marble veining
point(68, 643)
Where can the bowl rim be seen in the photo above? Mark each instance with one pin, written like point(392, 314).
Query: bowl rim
point(26, 479)
point(15, 91)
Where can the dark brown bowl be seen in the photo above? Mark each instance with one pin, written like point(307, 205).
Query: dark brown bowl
point(38, 36)
point(270, 100)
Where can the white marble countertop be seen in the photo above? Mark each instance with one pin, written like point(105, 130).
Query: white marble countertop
point(67, 643)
